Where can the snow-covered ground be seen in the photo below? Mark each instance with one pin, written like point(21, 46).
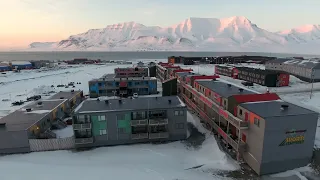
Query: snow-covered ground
point(146, 161)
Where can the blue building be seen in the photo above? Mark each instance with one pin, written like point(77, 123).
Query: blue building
point(21, 65)
point(4, 67)
point(109, 85)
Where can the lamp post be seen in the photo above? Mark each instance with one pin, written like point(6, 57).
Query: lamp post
point(312, 79)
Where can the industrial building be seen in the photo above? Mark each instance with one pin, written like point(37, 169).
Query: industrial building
point(34, 121)
point(270, 135)
point(131, 72)
point(109, 85)
point(304, 69)
point(4, 67)
point(127, 121)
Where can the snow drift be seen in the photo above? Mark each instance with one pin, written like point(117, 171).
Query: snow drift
point(201, 34)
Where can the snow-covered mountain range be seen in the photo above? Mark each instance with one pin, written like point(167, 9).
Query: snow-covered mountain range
point(194, 34)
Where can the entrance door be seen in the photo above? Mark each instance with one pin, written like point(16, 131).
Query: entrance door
point(246, 116)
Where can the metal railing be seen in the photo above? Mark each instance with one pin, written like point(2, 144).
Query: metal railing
point(83, 140)
point(81, 126)
point(142, 122)
point(160, 135)
point(140, 136)
point(158, 121)
point(236, 121)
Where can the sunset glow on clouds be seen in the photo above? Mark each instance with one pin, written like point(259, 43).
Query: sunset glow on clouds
point(26, 21)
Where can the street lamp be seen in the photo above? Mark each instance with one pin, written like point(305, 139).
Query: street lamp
point(312, 79)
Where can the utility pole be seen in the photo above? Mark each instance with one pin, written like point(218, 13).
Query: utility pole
point(312, 80)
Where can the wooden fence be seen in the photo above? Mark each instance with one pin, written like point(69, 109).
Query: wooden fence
point(51, 144)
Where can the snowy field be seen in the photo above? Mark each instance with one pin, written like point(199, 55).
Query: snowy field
point(171, 161)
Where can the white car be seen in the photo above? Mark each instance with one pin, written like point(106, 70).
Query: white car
point(135, 95)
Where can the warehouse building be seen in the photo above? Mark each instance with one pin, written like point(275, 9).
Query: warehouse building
point(4, 67)
point(306, 70)
point(127, 121)
point(21, 65)
point(109, 85)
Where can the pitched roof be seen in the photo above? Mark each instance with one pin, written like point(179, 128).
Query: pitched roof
point(256, 97)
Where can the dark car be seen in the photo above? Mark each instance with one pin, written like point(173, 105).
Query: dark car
point(246, 83)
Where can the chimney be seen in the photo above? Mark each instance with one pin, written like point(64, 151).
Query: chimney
point(120, 101)
point(169, 101)
point(240, 90)
point(229, 85)
point(284, 106)
point(28, 109)
point(142, 77)
point(106, 101)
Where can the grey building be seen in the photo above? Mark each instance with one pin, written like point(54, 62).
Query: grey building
point(280, 136)
point(306, 70)
point(109, 85)
point(126, 121)
point(30, 122)
point(74, 98)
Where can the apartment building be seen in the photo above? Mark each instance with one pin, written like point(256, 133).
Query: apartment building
point(109, 85)
point(305, 69)
point(131, 72)
point(127, 121)
point(34, 121)
point(270, 135)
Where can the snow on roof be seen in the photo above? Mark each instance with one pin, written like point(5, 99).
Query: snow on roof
point(20, 62)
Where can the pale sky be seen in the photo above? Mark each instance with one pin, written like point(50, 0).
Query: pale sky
point(26, 21)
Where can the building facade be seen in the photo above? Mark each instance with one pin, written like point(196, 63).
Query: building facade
point(109, 85)
point(127, 121)
point(131, 72)
point(270, 135)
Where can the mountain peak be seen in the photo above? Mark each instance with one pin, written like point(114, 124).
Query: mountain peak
point(302, 29)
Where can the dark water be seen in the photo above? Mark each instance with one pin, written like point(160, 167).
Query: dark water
point(8, 56)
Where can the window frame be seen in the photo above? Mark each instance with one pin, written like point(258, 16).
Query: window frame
point(256, 121)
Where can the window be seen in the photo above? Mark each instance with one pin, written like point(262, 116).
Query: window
point(176, 113)
point(122, 130)
point(102, 118)
point(240, 112)
point(179, 126)
point(180, 113)
point(103, 131)
point(257, 122)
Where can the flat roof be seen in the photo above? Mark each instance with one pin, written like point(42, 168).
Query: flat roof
point(308, 63)
point(65, 95)
point(222, 88)
point(21, 119)
point(112, 77)
point(267, 109)
point(181, 74)
point(127, 104)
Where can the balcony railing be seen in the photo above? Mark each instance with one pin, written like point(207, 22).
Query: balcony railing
point(142, 122)
point(81, 126)
point(83, 140)
point(139, 136)
point(236, 121)
point(161, 135)
point(158, 121)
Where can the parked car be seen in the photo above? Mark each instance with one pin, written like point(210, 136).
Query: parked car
point(246, 83)
point(135, 95)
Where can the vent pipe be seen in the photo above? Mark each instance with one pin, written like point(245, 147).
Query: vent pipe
point(28, 109)
point(106, 101)
point(169, 101)
point(284, 106)
point(39, 103)
point(120, 101)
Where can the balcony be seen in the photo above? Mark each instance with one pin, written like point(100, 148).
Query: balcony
point(82, 126)
point(240, 124)
point(139, 136)
point(141, 122)
point(158, 121)
point(160, 135)
point(83, 140)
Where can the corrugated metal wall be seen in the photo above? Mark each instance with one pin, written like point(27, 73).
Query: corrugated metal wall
point(51, 144)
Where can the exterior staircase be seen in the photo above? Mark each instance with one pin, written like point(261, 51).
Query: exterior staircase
point(59, 124)
point(49, 134)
